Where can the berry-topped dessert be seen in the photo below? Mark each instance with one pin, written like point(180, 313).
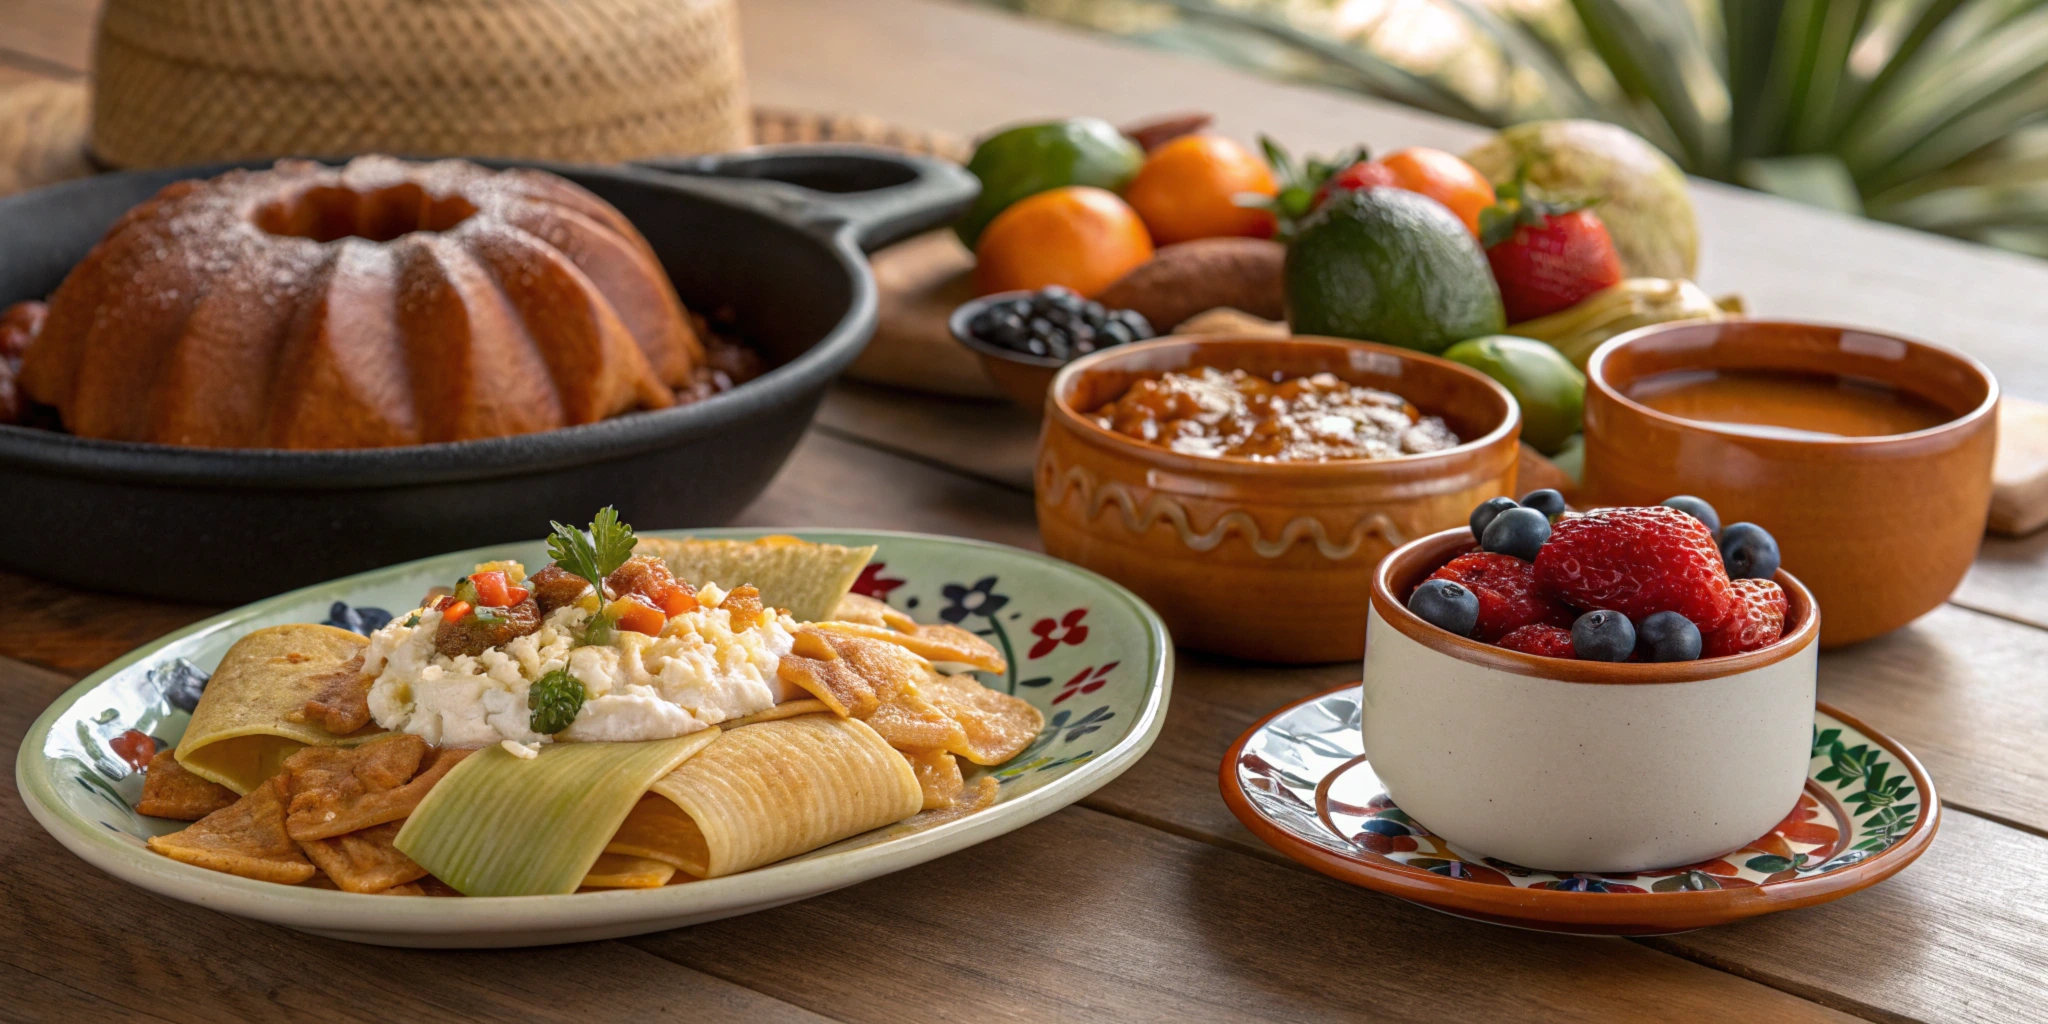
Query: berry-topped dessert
point(1661, 583)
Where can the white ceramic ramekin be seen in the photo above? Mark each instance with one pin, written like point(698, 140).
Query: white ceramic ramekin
point(1582, 766)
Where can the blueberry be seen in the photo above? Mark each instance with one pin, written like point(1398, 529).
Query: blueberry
point(1446, 605)
point(1603, 636)
point(1516, 531)
point(1115, 332)
point(1141, 328)
point(1749, 551)
point(1093, 314)
point(1546, 501)
point(1698, 509)
point(1667, 636)
point(1483, 515)
point(1007, 329)
point(1019, 308)
point(1037, 347)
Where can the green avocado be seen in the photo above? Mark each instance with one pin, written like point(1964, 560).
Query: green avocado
point(1391, 266)
point(1029, 159)
point(1550, 390)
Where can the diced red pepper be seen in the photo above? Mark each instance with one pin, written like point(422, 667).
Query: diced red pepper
point(455, 612)
point(493, 591)
point(134, 747)
point(677, 598)
point(638, 614)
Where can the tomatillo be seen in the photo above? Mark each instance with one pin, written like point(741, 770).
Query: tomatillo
point(1551, 391)
point(1029, 159)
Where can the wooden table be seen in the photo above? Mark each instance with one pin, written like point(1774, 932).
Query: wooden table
point(1148, 901)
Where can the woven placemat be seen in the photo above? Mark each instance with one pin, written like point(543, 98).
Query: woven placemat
point(45, 132)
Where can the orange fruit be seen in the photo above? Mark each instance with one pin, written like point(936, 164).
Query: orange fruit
point(1444, 178)
point(1188, 188)
point(1078, 236)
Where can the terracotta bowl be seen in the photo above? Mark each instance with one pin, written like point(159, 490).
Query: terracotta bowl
point(1261, 560)
point(1021, 377)
point(1564, 765)
point(1882, 528)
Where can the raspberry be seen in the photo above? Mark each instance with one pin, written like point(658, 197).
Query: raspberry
point(1756, 622)
point(1539, 639)
point(1507, 591)
point(1637, 561)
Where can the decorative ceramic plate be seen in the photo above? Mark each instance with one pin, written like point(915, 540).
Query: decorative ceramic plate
point(1090, 655)
point(1300, 780)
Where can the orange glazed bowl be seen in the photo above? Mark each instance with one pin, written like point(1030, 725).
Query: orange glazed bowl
point(1880, 525)
point(1269, 561)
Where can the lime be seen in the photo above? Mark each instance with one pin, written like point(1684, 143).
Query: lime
point(1390, 266)
point(1551, 391)
point(1029, 159)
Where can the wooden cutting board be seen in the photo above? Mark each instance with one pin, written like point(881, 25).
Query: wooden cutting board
point(921, 281)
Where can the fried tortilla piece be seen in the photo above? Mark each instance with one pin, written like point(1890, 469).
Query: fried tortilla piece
point(364, 861)
point(335, 791)
point(873, 681)
point(743, 605)
point(938, 775)
point(341, 705)
point(245, 838)
point(996, 726)
point(932, 643)
point(169, 791)
point(786, 709)
point(979, 798)
point(862, 609)
point(808, 579)
point(625, 871)
point(407, 889)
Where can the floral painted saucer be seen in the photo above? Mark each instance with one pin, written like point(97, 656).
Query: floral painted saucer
point(1299, 779)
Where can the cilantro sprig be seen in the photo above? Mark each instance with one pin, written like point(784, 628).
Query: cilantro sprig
point(594, 554)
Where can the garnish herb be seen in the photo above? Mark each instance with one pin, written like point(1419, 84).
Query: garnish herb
point(596, 554)
point(555, 700)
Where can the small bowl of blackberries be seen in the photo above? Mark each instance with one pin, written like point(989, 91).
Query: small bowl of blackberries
point(1024, 337)
point(1658, 583)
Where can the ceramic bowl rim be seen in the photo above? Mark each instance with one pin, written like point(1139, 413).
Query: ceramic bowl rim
point(1396, 614)
point(322, 910)
point(1596, 379)
point(956, 324)
point(1059, 410)
point(1668, 911)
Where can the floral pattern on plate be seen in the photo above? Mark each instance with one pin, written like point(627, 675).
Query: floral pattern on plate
point(1304, 772)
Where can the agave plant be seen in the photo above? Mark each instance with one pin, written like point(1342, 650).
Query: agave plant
point(1929, 113)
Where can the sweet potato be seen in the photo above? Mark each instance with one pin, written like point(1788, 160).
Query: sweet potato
point(1184, 279)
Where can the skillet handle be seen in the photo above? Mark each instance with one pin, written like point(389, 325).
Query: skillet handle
point(877, 195)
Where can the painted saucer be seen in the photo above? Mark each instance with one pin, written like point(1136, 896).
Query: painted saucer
point(1299, 779)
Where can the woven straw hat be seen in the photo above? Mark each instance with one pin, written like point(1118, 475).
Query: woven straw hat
point(187, 81)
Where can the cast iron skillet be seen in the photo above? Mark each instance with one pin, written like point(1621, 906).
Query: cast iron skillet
point(776, 235)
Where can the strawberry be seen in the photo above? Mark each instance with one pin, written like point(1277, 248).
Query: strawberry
point(1756, 622)
point(1546, 256)
point(1540, 639)
point(1358, 177)
point(1507, 592)
point(1637, 561)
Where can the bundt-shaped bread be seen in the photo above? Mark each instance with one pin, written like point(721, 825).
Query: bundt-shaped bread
point(381, 303)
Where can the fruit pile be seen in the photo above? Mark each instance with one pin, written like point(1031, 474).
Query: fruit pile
point(1056, 323)
point(1661, 583)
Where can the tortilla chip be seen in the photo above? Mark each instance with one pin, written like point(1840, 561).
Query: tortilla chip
point(337, 790)
point(624, 871)
point(245, 838)
point(862, 609)
point(808, 579)
point(342, 703)
point(873, 681)
point(169, 791)
point(364, 861)
point(941, 643)
point(743, 605)
point(996, 726)
point(659, 830)
point(979, 798)
point(786, 709)
point(938, 775)
point(406, 889)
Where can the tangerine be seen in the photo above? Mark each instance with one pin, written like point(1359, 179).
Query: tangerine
point(1188, 189)
point(1444, 178)
point(1079, 236)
